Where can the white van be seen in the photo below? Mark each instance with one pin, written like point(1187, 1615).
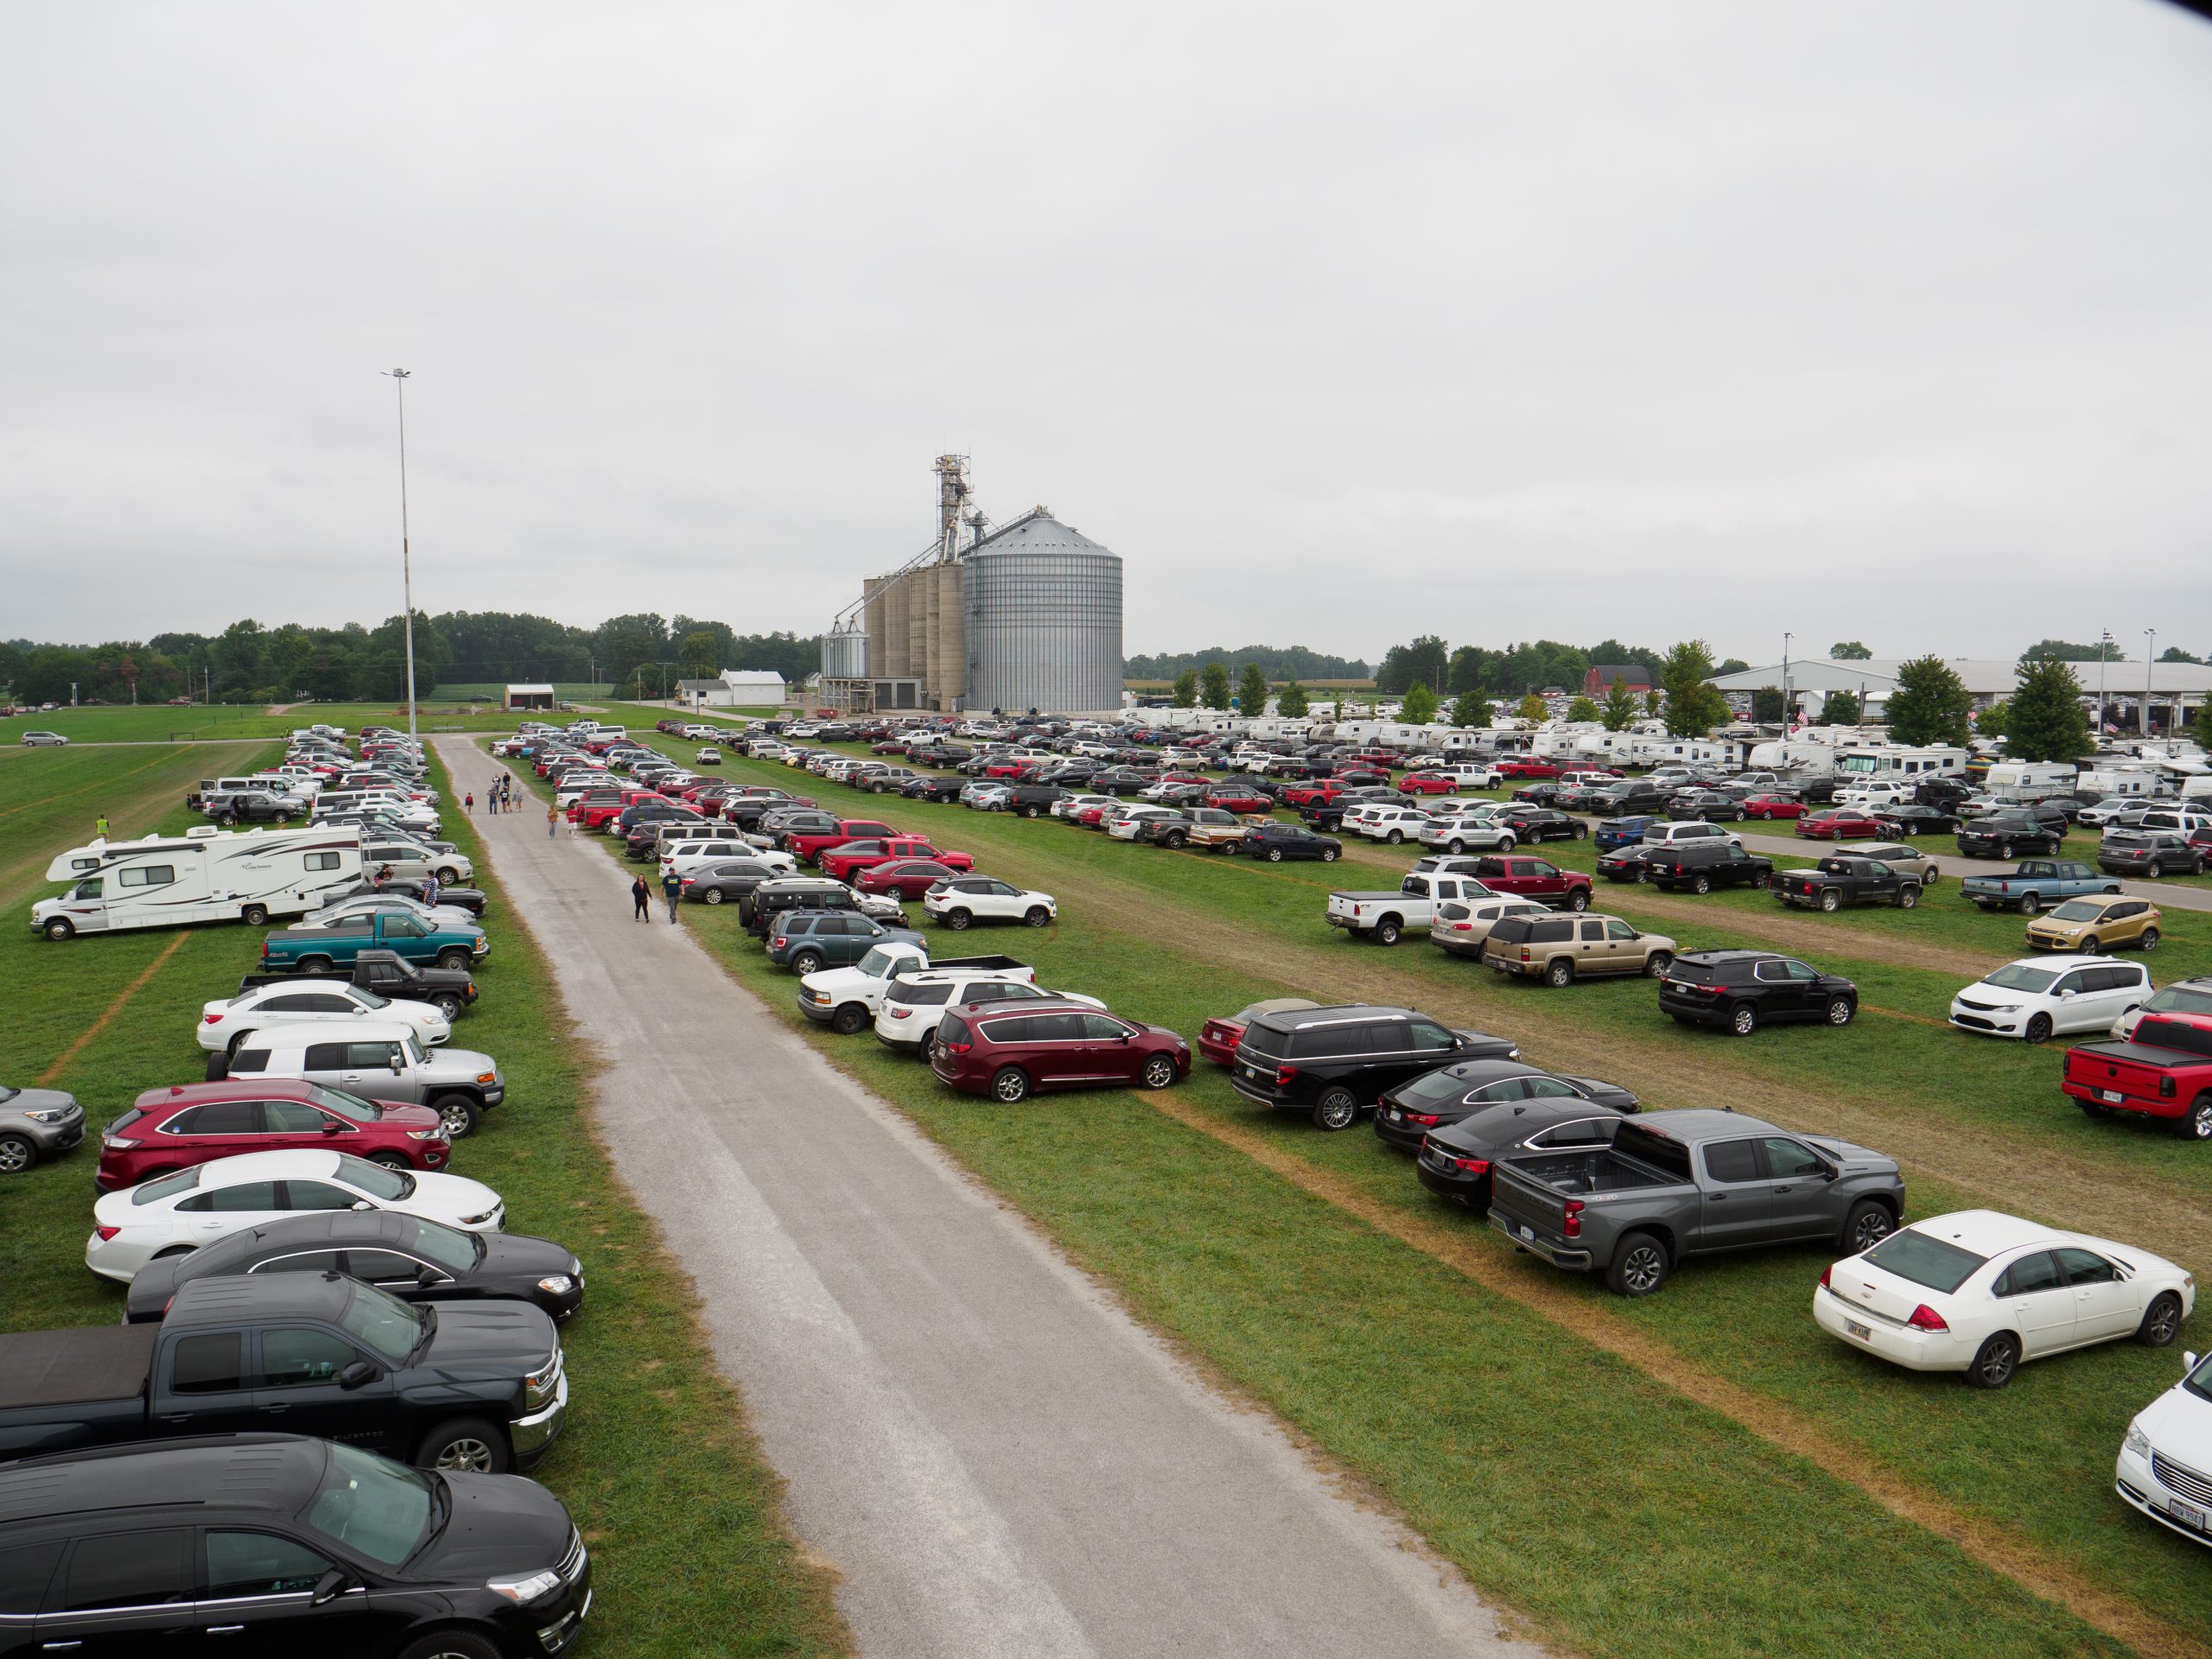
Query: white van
point(205, 875)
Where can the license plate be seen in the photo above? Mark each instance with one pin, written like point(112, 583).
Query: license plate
point(2110, 1094)
point(1395, 1116)
point(1859, 1330)
point(2188, 1514)
point(1528, 1232)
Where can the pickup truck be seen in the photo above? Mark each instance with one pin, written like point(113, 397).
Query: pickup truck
point(1691, 1183)
point(2033, 884)
point(845, 862)
point(1834, 882)
point(2163, 1071)
point(1386, 916)
point(808, 845)
point(2002, 834)
point(320, 950)
point(389, 974)
point(480, 1386)
point(846, 999)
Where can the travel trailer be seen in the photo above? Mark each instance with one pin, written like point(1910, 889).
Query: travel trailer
point(2124, 780)
point(204, 875)
point(1665, 751)
point(1813, 751)
point(1895, 761)
point(2031, 780)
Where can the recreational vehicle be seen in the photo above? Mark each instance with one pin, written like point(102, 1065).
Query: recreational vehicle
point(2025, 781)
point(1896, 761)
point(204, 875)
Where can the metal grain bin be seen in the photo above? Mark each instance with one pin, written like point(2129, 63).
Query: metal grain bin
point(1043, 621)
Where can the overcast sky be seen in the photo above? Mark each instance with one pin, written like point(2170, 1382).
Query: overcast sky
point(1886, 321)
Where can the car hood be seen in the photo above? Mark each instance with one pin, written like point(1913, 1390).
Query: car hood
point(520, 1256)
point(499, 1526)
point(439, 1195)
point(2179, 1424)
point(38, 1100)
point(1855, 1159)
point(490, 1338)
point(448, 1064)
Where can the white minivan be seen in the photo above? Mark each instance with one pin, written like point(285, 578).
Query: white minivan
point(2035, 998)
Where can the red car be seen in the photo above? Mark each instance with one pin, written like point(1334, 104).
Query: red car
point(598, 814)
point(1526, 768)
point(843, 863)
point(1090, 817)
point(189, 1123)
point(1839, 823)
point(1010, 1050)
point(1427, 783)
point(910, 877)
point(1239, 801)
point(1317, 793)
point(810, 846)
point(1218, 1039)
point(1773, 806)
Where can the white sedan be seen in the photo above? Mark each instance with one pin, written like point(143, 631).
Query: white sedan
point(2165, 1461)
point(174, 1215)
point(965, 899)
point(1979, 1293)
point(223, 1024)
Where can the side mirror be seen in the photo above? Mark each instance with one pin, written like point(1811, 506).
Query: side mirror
point(332, 1126)
point(399, 1065)
point(427, 1278)
point(361, 1206)
point(327, 1588)
point(358, 1374)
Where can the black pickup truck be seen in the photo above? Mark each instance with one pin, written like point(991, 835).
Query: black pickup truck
point(1834, 882)
point(389, 974)
point(478, 1386)
point(1033, 800)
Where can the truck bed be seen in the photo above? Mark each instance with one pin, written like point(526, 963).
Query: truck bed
point(63, 1368)
point(2143, 1054)
point(1598, 1170)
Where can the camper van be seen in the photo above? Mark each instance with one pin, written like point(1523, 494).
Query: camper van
point(204, 875)
point(2025, 781)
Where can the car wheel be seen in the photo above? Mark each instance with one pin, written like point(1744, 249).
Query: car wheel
point(1831, 900)
point(958, 920)
point(2149, 939)
point(1743, 1019)
point(454, 956)
point(2038, 1028)
point(391, 1160)
point(447, 1003)
point(713, 895)
point(1228, 848)
point(848, 1019)
point(1393, 838)
point(59, 928)
point(16, 1153)
point(1582, 832)
point(1559, 973)
point(1841, 1010)
point(1387, 931)
point(1337, 1108)
point(2195, 1124)
point(1868, 1223)
point(2005, 850)
point(2087, 946)
point(227, 819)
point(1995, 1362)
point(467, 1445)
point(314, 964)
point(1579, 899)
point(929, 1047)
point(1177, 842)
point(1036, 916)
point(1505, 843)
point(1033, 811)
point(2154, 869)
point(1010, 1085)
point(1639, 1265)
point(1702, 885)
point(458, 1116)
point(807, 961)
point(2161, 1321)
point(2030, 904)
point(1908, 898)
point(1328, 855)
point(255, 915)
point(1656, 964)
point(1158, 1072)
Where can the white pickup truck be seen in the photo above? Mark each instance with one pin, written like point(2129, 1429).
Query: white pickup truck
point(1386, 916)
point(846, 999)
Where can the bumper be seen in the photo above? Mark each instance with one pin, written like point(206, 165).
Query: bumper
point(1526, 1239)
point(102, 1256)
point(1398, 1135)
point(2113, 1100)
point(1273, 1099)
point(1988, 1024)
point(2142, 1490)
point(50, 1137)
point(820, 1013)
point(1705, 1011)
point(533, 1436)
point(1460, 1189)
point(1915, 1351)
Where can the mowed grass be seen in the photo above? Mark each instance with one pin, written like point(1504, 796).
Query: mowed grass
point(657, 1463)
point(1484, 1423)
point(449, 710)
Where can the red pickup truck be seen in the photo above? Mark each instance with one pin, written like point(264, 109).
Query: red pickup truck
point(1317, 792)
point(843, 863)
point(806, 847)
point(598, 814)
point(2164, 1070)
point(1526, 768)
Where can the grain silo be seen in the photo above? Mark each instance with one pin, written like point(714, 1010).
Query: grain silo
point(1043, 620)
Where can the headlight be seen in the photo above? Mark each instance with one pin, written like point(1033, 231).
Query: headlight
point(425, 1134)
point(2137, 1441)
point(478, 1221)
point(540, 1385)
point(2008, 1007)
point(48, 1115)
point(534, 1587)
point(558, 1284)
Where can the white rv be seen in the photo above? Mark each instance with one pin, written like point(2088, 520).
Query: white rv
point(203, 876)
point(1665, 751)
point(2031, 780)
point(1896, 761)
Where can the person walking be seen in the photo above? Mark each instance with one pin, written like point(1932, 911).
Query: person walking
point(672, 885)
point(99, 826)
point(430, 889)
point(641, 900)
point(470, 799)
point(552, 822)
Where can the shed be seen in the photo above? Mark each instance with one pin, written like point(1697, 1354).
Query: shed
point(530, 696)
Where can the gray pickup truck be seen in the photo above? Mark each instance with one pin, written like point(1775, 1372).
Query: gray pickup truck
point(1691, 1183)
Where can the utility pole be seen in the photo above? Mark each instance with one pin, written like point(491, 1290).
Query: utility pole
point(2150, 657)
point(398, 378)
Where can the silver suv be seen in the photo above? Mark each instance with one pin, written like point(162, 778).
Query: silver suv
point(379, 1061)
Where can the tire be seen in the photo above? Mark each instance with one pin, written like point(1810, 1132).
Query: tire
point(1388, 930)
point(958, 920)
point(2195, 1124)
point(1010, 1085)
point(2161, 1321)
point(1581, 831)
point(1274, 854)
point(1866, 1225)
point(2087, 946)
point(2149, 941)
point(1328, 855)
point(1455, 846)
point(929, 1047)
point(1506, 843)
point(1656, 964)
point(1560, 974)
point(1908, 898)
point(1036, 916)
point(713, 895)
point(1743, 1020)
point(2038, 1029)
point(1995, 1362)
point(465, 1444)
point(1702, 886)
point(1393, 838)
point(1932, 874)
point(458, 1116)
point(1176, 842)
point(16, 1153)
point(227, 819)
point(849, 1019)
point(455, 957)
point(1639, 1266)
point(806, 963)
point(59, 928)
point(255, 915)
point(2154, 869)
point(1763, 878)
point(448, 1003)
point(391, 1160)
point(2004, 851)
point(1579, 900)
point(315, 965)
point(1337, 1108)
point(1158, 1072)
point(2030, 904)
point(1033, 811)
point(1228, 848)
point(1841, 1009)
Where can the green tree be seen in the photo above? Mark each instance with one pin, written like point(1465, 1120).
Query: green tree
point(1692, 707)
point(1767, 706)
point(1533, 707)
point(1733, 665)
point(1252, 691)
point(2047, 721)
point(1214, 686)
point(1584, 709)
point(1426, 660)
point(1471, 711)
point(1620, 711)
point(1993, 720)
point(1850, 651)
point(1654, 701)
point(1420, 705)
point(1841, 708)
point(1929, 705)
point(2067, 651)
point(2176, 654)
point(1187, 689)
point(1290, 701)
point(698, 653)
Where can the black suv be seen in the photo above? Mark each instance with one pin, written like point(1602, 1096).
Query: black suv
point(2012, 832)
point(1703, 865)
point(1276, 841)
point(1742, 990)
point(287, 1545)
point(1335, 1062)
point(1543, 824)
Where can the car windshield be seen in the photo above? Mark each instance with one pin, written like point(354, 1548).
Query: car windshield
point(2199, 1382)
point(2077, 910)
point(2022, 977)
point(448, 1247)
point(6, 1093)
point(372, 1506)
point(1912, 1255)
point(373, 1179)
point(351, 1107)
point(2180, 998)
point(167, 1187)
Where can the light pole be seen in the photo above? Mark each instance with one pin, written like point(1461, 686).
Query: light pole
point(398, 378)
point(2104, 650)
point(2150, 657)
point(1786, 638)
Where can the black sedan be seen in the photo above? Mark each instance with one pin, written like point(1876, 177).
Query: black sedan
point(1544, 793)
point(413, 1258)
point(1455, 1162)
point(1910, 820)
point(1628, 863)
point(1542, 823)
point(1122, 780)
point(1437, 1100)
point(1276, 842)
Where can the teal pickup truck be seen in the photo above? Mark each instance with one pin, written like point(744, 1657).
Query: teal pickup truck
point(2035, 883)
point(320, 950)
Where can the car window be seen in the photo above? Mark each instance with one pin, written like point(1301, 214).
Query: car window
point(293, 1356)
point(320, 1057)
point(1798, 971)
point(2030, 1275)
point(318, 1195)
point(1733, 1162)
point(2086, 1268)
point(1550, 1089)
point(370, 1057)
point(1102, 1027)
point(24, 1575)
point(128, 1569)
point(1423, 1034)
point(1583, 1132)
point(300, 1262)
point(208, 1364)
point(1388, 1037)
point(1618, 929)
point(220, 1117)
point(1787, 1160)
point(242, 1564)
point(245, 1197)
point(2077, 980)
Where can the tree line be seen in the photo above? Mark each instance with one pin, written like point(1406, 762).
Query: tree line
point(1276, 662)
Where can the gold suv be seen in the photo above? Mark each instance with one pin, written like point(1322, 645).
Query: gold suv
point(2095, 922)
point(1558, 949)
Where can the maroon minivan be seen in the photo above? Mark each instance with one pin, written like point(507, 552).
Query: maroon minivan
point(1008, 1050)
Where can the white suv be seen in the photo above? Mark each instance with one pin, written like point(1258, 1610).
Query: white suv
point(1393, 824)
point(1477, 831)
point(914, 1003)
point(966, 899)
point(2035, 998)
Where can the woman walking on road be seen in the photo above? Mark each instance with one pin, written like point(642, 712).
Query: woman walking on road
point(641, 898)
point(552, 822)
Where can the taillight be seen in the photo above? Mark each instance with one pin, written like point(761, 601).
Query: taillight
point(778, 943)
point(2165, 1088)
point(1925, 1317)
point(107, 1233)
point(210, 1019)
point(1473, 1165)
point(1825, 1272)
point(1284, 1074)
point(955, 1048)
point(1571, 1222)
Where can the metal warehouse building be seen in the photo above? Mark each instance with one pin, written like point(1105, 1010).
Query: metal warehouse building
point(1025, 616)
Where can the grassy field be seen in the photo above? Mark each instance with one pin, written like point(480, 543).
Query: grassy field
point(1306, 1269)
point(657, 1463)
point(447, 711)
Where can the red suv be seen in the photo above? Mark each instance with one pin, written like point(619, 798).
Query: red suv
point(190, 1123)
point(1010, 1049)
point(843, 863)
point(1520, 877)
point(1526, 768)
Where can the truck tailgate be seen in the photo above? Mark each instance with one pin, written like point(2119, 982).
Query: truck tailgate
point(61, 1368)
point(1520, 1201)
point(2110, 1070)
